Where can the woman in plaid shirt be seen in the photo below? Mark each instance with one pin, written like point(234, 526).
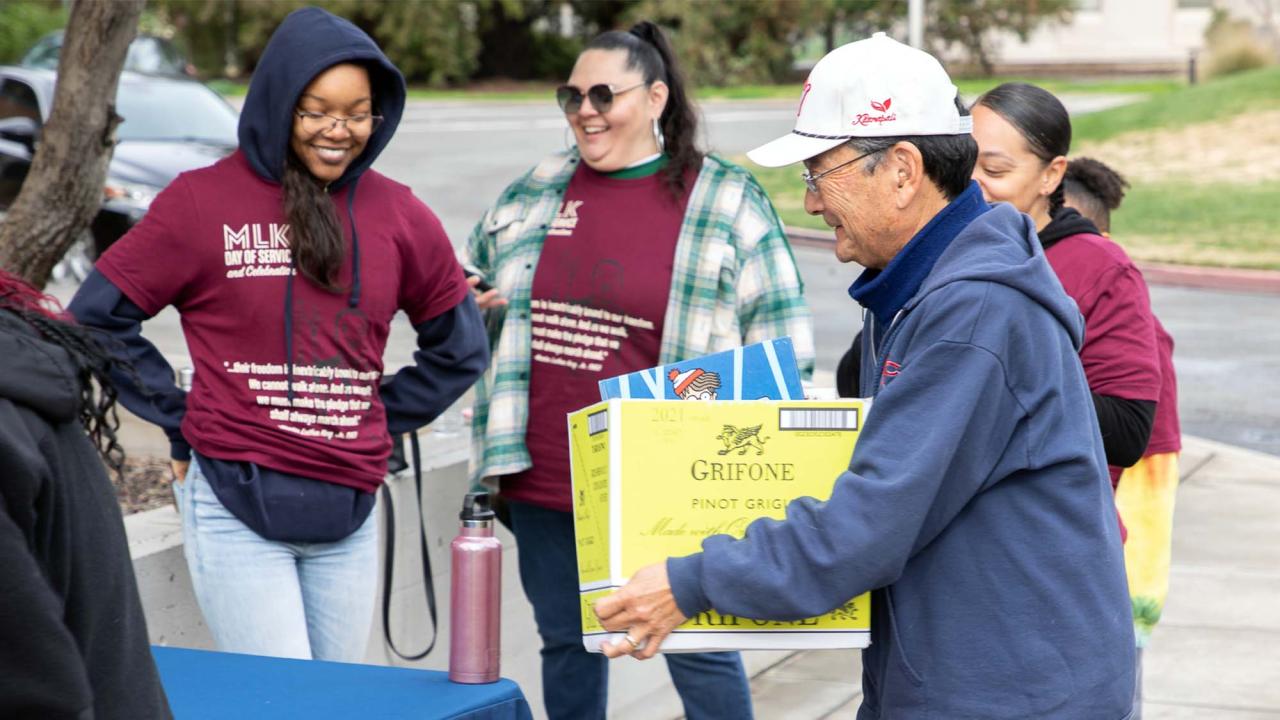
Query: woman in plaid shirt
point(630, 250)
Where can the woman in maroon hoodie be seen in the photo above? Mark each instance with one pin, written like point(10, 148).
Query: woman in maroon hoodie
point(287, 261)
point(1024, 135)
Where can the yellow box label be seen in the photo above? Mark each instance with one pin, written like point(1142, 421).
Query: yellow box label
point(694, 469)
point(853, 615)
point(589, 473)
point(686, 470)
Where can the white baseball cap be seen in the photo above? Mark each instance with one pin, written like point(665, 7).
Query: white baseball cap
point(876, 87)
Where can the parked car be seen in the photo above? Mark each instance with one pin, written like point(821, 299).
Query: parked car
point(147, 54)
point(170, 125)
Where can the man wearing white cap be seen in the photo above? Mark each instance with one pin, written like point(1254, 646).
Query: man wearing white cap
point(977, 506)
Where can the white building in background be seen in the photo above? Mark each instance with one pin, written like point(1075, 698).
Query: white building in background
point(1123, 36)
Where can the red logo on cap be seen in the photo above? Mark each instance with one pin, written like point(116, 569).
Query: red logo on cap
point(885, 116)
point(805, 94)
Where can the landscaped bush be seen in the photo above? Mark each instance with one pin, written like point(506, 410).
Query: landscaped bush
point(1233, 46)
point(22, 23)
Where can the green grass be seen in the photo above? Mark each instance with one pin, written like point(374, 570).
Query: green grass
point(1214, 100)
point(970, 88)
point(228, 88)
point(1232, 225)
point(1216, 224)
point(786, 190)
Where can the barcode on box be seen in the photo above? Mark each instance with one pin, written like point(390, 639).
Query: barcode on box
point(818, 419)
point(597, 422)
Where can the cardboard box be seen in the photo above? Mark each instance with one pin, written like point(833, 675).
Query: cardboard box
point(653, 478)
point(753, 372)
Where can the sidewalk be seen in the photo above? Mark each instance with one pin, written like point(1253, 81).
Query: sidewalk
point(1215, 653)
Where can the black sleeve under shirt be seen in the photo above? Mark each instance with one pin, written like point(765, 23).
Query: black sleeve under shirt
point(1126, 427)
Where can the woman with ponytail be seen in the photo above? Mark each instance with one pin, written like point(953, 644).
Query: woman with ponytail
point(73, 639)
point(634, 222)
point(1024, 135)
point(286, 262)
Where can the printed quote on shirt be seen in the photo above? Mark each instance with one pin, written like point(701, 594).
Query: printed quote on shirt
point(579, 337)
point(328, 402)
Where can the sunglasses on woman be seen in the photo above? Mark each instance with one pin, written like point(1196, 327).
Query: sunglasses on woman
point(601, 96)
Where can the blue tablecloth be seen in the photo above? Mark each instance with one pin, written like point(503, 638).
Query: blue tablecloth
point(204, 684)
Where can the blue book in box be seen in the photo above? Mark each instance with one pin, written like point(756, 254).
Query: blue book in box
point(763, 371)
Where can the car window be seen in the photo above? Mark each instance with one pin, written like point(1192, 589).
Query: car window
point(45, 53)
point(146, 54)
point(173, 110)
point(155, 56)
point(17, 99)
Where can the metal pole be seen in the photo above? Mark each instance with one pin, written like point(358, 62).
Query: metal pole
point(915, 23)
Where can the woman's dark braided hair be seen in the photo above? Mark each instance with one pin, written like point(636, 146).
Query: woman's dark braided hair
point(649, 51)
point(1042, 121)
point(93, 362)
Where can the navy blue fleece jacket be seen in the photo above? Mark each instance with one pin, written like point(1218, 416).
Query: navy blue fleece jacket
point(976, 507)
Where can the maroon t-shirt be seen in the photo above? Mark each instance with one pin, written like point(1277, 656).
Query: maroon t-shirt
point(1166, 432)
point(1121, 355)
point(215, 245)
point(598, 303)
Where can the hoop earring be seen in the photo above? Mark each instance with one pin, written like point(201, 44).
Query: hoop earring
point(569, 143)
point(657, 135)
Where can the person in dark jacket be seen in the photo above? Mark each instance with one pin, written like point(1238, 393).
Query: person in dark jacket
point(287, 261)
point(976, 507)
point(73, 639)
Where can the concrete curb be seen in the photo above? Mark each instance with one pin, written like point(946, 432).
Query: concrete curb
point(1212, 278)
point(1195, 276)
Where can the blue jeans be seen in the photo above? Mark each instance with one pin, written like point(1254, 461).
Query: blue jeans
point(712, 686)
point(262, 597)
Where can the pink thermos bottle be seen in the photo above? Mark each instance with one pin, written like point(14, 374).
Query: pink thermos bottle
point(476, 595)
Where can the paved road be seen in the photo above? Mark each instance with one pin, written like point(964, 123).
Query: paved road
point(1227, 350)
point(458, 156)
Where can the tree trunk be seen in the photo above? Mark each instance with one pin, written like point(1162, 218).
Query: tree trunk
point(63, 189)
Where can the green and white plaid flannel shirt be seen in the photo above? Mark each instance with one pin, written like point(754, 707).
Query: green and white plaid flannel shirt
point(734, 282)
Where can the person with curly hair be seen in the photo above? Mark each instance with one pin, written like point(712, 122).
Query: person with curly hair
point(1094, 190)
point(73, 638)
